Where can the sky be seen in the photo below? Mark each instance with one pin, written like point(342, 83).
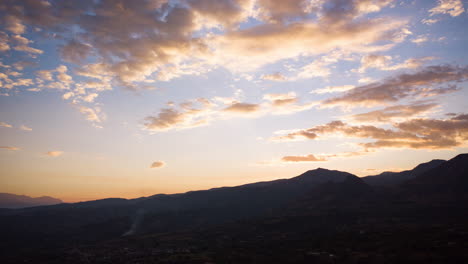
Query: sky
point(115, 98)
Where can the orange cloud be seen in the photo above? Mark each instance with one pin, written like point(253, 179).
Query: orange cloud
point(54, 153)
point(157, 164)
point(279, 100)
point(307, 158)
point(394, 112)
point(422, 133)
point(277, 76)
point(9, 148)
point(3, 124)
point(242, 108)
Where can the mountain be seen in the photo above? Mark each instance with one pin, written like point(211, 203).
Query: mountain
point(8, 200)
point(320, 216)
point(445, 183)
point(394, 178)
point(112, 218)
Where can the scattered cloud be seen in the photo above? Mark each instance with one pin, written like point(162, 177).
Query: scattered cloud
point(451, 7)
point(420, 133)
point(9, 148)
point(420, 39)
point(425, 82)
point(190, 114)
point(307, 158)
point(90, 113)
point(202, 111)
point(277, 76)
point(279, 100)
point(366, 80)
point(54, 153)
point(243, 108)
point(157, 164)
point(429, 21)
point(384, 63)
point(3, 124)
point(322, 157)
point(142, 40)
point(396, 112)
point(333, 89)
point(25, 128)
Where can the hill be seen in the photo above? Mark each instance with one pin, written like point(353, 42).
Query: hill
point(394, 178)
point(320, 216)
point(8, 200)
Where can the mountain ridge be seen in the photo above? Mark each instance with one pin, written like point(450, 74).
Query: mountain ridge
point(12, 201)
point(320, 201)
point(389, 178)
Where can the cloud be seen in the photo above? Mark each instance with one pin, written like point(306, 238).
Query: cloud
point(420, 133)
point(157, 164)
point(3, 124)
point(220, 12)
point(425, 82)
point(25, 128)
point(429, 21)
point(277, 76)
point(90, 113)
point(54, 79)
point(451, 7)
point(131, 43)
point(333, 89)
point(366, 80)
point(395, 112)
point(382, 62)
point(75, 51)
point(374, 61)
point(249, 49)
point(9, 148)
point(191, 114)
point(279, 100)
point(312, 158)
point(14, 25)
point(317, 68)
point(420, 39)
point(323, 157)
point(276, 11)
point(202, 111)
point(21, 44)
point(242, 108)
point(339, 11)
point(54, 153)
point(307, 158)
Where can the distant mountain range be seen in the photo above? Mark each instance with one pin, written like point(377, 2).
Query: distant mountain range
point(394, 178)
point(8, 200)
point(315, 205)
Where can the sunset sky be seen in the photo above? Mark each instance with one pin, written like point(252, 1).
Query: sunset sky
point(115, 98)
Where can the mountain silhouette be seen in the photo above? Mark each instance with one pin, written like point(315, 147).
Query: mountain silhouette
point(332, 208)
point(394, 178)
point(8, 200)
point(445, 183)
